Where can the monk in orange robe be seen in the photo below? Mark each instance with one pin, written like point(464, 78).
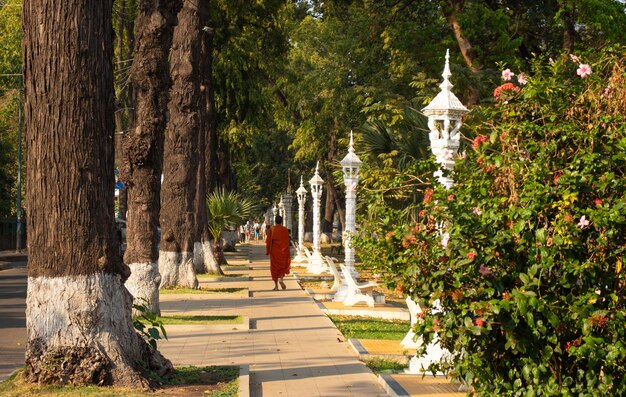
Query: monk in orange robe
point(277, 247)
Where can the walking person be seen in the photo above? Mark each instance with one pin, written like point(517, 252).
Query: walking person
point(277, 247)
point(263, 230)
point(257, 230)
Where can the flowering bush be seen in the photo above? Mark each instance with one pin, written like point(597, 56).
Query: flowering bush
point(525, 253)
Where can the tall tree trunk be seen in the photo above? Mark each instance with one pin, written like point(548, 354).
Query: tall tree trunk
point(180, 156)
point(204, 256)
point(340, 204)
point(568, 16)
point(78, 312)
point(467, 50)
point(211, 137)
point(121, 104)
point(144, 145)
point(329, 206)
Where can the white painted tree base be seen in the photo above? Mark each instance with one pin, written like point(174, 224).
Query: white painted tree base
point(89, 315)
point(212, 267)
point(177, 270)
point(198, 258)
point(144, 283)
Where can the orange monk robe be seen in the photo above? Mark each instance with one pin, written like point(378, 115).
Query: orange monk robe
point(277, 247)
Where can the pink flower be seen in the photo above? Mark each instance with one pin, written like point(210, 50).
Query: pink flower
point(479, 322)
point(478, 140)
point(607, 91)
point(477, 211)
point(444, 240)
point(450, 197)
point(471, 255)
point(583, 222)
point(522, 79)
point(484, 270)
point(497, 92)
point(507, 74)
point(574, 58)
point(584, 70)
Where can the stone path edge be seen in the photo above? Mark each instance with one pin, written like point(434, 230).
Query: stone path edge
point(244, 381)
point(391, 386)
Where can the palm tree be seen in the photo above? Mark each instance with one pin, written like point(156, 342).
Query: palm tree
point(225, 209)
point(409, 138)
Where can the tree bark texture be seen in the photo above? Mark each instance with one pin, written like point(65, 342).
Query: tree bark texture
point(144, 145)
point(201, 228)
point(210, 124)
point(465, 46)
point(181, 156)
point(78, 312)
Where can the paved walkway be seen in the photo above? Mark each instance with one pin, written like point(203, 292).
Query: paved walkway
point(12, 308)
point(292, 348)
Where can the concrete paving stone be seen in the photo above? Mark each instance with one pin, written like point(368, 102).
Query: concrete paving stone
point(293, 350)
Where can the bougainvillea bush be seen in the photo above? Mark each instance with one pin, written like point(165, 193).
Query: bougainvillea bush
point(526, 252)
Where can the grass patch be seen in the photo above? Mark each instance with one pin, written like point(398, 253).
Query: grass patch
point(371, 328)
point(212, 381)
point(207, 275)
point(380, 365)
point(181, 320)
point(167, 291)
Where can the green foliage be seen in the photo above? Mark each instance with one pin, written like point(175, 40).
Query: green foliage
point(225, 209)
point(149, 325)
point(531, 279)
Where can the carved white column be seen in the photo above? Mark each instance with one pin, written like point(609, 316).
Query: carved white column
point(351, 164)
point(287, 218)
point(301, 194)
point(281, 209)
point(275, 212)
point(317, 264)
point(445, 114)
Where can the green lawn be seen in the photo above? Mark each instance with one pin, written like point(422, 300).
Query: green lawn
point(217, 381)
point(371, 328)
point(167, 291)
point(381, 365)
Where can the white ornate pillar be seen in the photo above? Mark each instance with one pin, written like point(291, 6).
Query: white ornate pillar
point(301, 194)
point(445, 114)
point(287, 218)
point(317, 264)
point(281, 209)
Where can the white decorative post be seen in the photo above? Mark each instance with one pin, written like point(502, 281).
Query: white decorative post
point(275, 212)
point(301, 194)
point(351, 164)
point(317, 264)
point(287, 200)
point(281, 209)
point(445, 114)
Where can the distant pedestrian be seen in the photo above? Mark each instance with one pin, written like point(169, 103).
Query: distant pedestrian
point(263, 230)
point(242, 234)
point(248, 229)
point(277, 247)
point(257, 230)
